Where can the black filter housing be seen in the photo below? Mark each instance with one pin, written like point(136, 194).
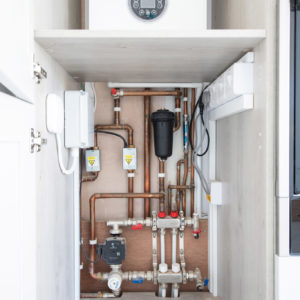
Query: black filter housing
point(163, 124)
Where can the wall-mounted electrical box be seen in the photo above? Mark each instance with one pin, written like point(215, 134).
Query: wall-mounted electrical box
point(79, 120)
point(147, 14)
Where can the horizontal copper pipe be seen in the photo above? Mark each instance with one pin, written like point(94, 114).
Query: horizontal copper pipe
point(176, 93)
point(91, 295)
point(126, 127)
point(181, 187)
point(93, 199)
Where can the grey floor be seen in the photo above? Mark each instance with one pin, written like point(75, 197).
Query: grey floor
point(183, 296)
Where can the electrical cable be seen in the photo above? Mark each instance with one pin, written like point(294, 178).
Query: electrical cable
point(201, 107)
point(74, 155)
point(115, 134)
point(98, 250)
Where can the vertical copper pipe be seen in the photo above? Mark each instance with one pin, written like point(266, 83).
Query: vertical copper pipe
point(186, 169)
point(191, 154)
point(147, 100)
point(130, 200)
point(177, 114)
point(162, 186)
point(117, 111)
point(178, 182)
point(186, 157)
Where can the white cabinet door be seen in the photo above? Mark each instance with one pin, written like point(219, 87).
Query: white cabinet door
point(16, 55)
point(17, 201)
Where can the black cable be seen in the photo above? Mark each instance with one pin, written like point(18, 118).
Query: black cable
point(201, 107)
point(115, 134)
point(98, 250)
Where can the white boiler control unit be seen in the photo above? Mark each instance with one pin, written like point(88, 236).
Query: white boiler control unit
point(143, 15)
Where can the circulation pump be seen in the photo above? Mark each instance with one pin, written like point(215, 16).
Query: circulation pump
point(163, 123)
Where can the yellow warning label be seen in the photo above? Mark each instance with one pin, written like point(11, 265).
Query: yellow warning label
point(91, 160)
point(128, 159)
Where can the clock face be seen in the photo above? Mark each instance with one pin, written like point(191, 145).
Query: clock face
point(148, 9)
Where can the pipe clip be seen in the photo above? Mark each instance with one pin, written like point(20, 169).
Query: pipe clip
point(177, 109)
point(130, 175)
point(185, 99)
point(93, 242)
point(117, 108)
point(161, 175)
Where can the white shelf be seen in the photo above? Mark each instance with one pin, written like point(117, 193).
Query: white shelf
point(163, 56)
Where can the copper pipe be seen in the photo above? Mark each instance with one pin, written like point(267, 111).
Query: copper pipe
point(130, 200)
point(91, 295)
point(125, 127)
point(191, 154)
point(147, 132)
point(162, 185)
point(177, 114)
point(130, 180)
point(148, 92)
point(181, 187)
point(186, 170)
point(93, 199)
point(116, 111)
point(170, 204)
point(178, 179)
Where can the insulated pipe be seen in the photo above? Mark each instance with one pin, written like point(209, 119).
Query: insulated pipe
point(191, 153)
point(177, 111)
point(129, 130)
point(147, 131)
point(98, 276)
point(162, 209)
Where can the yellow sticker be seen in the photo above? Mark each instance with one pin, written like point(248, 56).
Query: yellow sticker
point(91, 160)
point(128, 159)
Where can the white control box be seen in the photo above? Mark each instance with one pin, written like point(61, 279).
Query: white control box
point(129, 159)
point(118, 15)
point(79, 120)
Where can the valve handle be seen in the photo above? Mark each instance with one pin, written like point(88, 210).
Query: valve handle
point(137, 227)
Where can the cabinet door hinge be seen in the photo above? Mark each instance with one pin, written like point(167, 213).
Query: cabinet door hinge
point(36, 141)
point(38, 73)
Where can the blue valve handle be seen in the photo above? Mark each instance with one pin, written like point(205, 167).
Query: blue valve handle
point(138, 281)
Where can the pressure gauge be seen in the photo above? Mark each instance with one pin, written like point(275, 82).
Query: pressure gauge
point(148, 9)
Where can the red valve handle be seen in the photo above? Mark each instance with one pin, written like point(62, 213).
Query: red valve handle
point(137, 227)
point(174, 214)
point(114, 92)
point(162, 214)
point(197, 231)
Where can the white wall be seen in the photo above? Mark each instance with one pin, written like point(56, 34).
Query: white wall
point(55, 229)
point(57, 14)
point(245, 163)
